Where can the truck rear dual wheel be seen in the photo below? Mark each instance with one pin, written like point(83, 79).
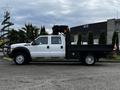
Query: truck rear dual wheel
point(89, 59)
point(21, 58)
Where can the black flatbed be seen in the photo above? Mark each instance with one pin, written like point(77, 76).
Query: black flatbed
point(105, 48)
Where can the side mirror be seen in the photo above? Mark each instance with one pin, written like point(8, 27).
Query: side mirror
point(34, 43)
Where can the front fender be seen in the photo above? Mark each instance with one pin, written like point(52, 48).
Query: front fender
point(20, 49)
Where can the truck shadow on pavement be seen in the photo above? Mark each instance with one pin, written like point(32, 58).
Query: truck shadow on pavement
point(64, 64)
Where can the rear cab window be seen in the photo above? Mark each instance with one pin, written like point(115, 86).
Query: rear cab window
point(56, 40)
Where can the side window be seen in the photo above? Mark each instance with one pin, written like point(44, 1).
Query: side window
point(41, 40)
point(56, 40)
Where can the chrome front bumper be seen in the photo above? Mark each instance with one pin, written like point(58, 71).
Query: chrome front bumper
point(6, 50)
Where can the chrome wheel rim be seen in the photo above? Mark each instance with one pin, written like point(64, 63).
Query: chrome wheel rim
point(89, 60)
point(20, 59)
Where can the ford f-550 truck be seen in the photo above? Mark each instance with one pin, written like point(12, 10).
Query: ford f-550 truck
point(57, 46)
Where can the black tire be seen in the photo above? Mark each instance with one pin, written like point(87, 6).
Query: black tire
point(89, 59)
point(20, 58)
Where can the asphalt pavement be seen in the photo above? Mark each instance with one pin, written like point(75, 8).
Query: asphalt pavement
point(59, 76)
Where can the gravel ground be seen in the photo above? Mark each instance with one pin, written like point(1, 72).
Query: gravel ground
point(59, 76)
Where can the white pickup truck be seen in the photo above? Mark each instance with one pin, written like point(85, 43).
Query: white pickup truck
point(57, 46)
point(43, 46)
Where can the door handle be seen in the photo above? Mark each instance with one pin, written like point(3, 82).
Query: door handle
point(48, 47)
point(61, 47)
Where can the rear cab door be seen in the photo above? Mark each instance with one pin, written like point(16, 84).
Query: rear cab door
point(57, 46)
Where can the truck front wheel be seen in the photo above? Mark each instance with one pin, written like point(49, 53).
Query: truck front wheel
point(90, 60)
point(20, 58)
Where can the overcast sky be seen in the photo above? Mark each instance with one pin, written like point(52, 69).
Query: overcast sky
point(51, 12)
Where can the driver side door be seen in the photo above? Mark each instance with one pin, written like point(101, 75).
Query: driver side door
point(41, 47)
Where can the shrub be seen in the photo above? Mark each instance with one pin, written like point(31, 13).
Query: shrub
point(90, 38)
point(115, 40)
point(79, 39)
point(102, 39)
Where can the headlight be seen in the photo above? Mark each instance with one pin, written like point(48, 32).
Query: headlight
point(6, 50)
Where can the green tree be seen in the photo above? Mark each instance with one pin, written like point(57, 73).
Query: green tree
point(79, 39)
point(16, 36)
point(27, 34)
point(43, 31)
point(102, 39)
point(90, 38)
point(13, 36)
point(115, 39)
point(21, 36)
point(117, 42)
point(6, 23)
point(31, 32)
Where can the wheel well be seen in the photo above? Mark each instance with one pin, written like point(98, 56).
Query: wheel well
point(84, 54)
point(22, 50)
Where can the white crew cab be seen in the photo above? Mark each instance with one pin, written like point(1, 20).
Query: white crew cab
point(43, 46)
point(48, 46)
